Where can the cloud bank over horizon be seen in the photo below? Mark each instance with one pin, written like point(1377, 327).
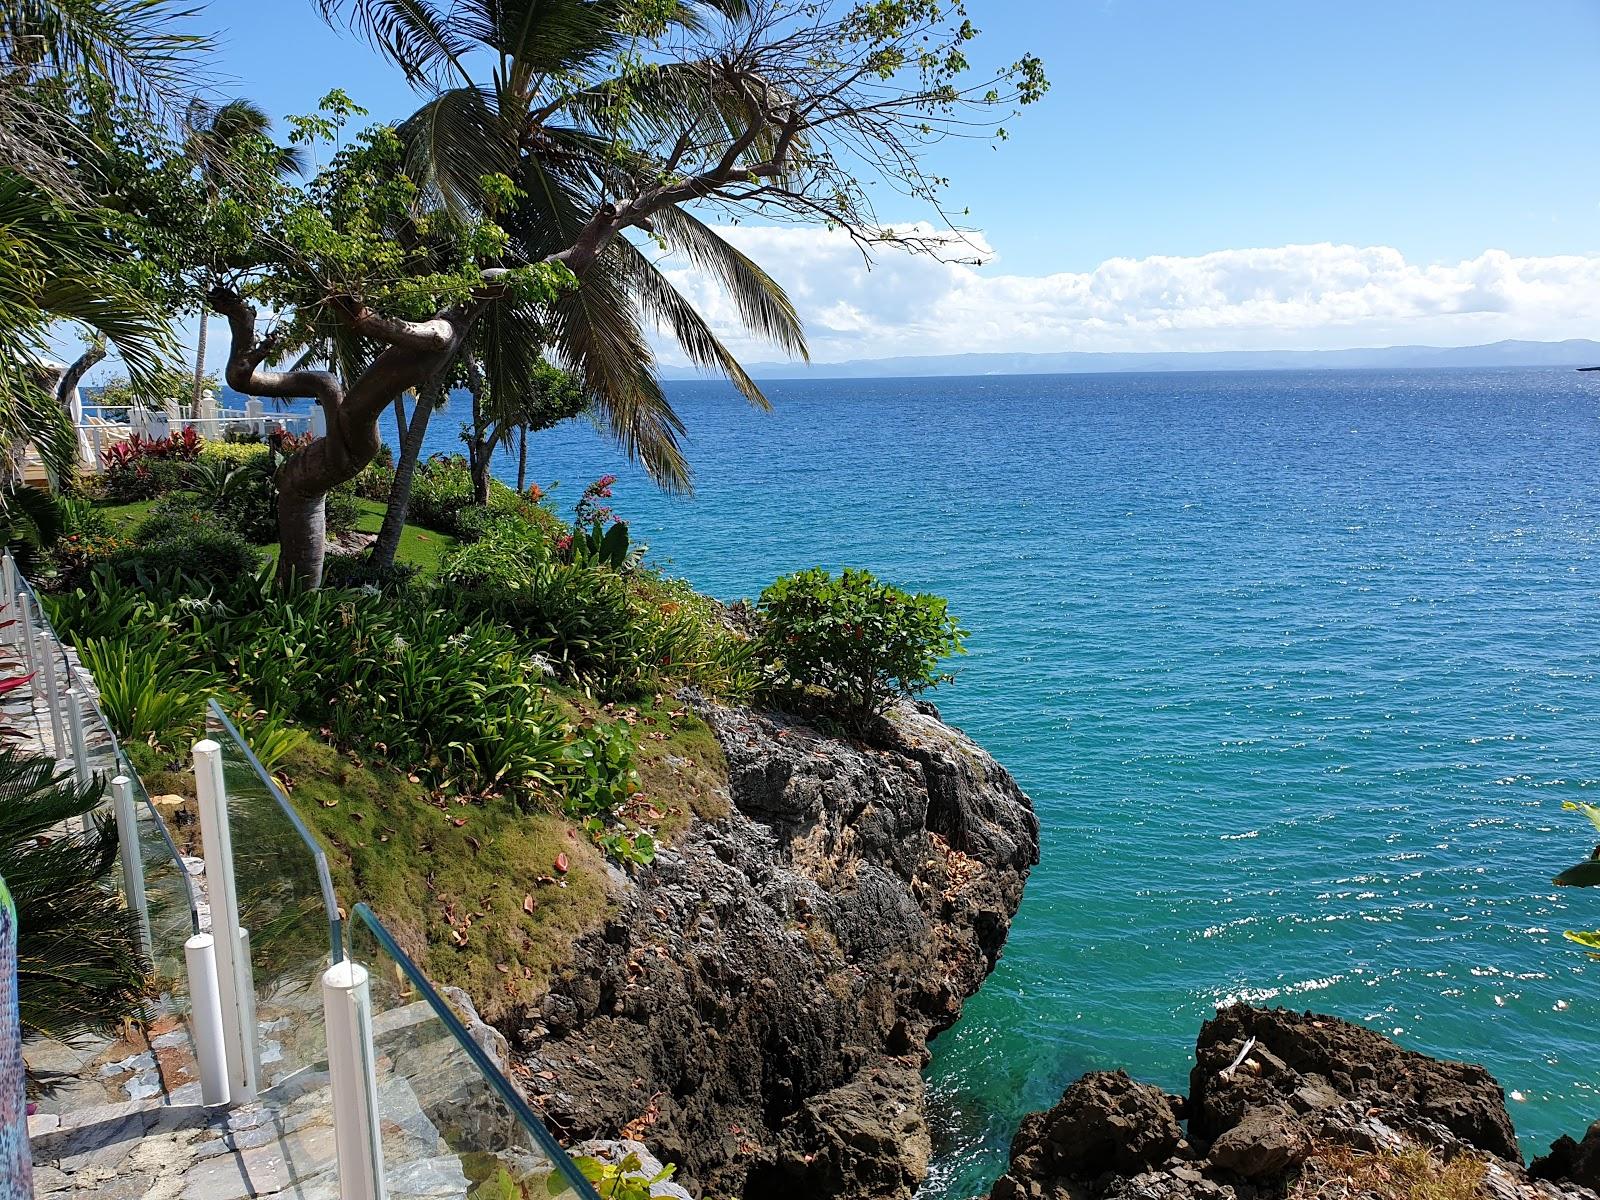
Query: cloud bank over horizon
point(1298, 297)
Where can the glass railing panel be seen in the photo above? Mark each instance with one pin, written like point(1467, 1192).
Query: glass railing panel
point(166, 891)
point(286, 904)
point(452, 1121)
point(173, 911)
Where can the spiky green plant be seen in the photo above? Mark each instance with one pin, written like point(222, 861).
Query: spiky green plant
point(80, 966)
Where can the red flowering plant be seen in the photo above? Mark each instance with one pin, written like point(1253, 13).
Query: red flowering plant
point(598, 536)
point(141, 467)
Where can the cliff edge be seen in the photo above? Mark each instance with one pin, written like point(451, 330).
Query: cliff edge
point(757, 1007)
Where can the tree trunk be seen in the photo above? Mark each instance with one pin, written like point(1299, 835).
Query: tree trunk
point(478, 457)
point(302, 537)
point(479, 452)
point(522, 459)
point(199, 366)
point(405, 473)
point(73, 375)
point(418, 353)
point(399, 421)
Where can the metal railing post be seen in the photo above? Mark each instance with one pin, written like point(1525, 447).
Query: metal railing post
point(347, 1012)
point(30, 648)
point(80, 744)
point(205, 1018)
point(235, 982)
point(132, 860)
point(8, 583)
point(52, 695)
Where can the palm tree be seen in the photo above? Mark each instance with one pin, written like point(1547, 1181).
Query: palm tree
point(80, 967)
point(134, 45)
point(54, 268)
point(561, 145)
point(55, 265)
point(213, 137)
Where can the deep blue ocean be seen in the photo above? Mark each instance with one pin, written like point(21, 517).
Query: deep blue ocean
point(1298, 669)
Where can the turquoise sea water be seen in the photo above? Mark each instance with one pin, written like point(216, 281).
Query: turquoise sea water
point(1297, 668)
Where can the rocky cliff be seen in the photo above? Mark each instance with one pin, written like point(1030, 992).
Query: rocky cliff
point(1291, 1104)
point(758, 1007)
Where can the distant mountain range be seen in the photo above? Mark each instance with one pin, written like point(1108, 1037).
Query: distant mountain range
point(1576, 352)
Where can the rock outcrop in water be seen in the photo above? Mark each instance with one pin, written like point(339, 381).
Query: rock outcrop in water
point(1290, 1104)
point(758, 1008)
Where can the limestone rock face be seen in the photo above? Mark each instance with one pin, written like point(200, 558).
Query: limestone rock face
point(1276, 1098)
point(1104, 1123)
point(758, 1007)
point(1293, 1050)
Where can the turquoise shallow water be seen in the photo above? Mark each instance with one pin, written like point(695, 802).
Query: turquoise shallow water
point(1297, 669)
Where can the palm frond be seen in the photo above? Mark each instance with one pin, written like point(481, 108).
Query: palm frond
point(417, 36)
point(764, 307)
point(453, 141)
point(79, 964)
point(595, 331)
point(667, 306)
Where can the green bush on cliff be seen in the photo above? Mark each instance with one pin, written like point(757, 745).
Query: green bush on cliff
point(863, 642)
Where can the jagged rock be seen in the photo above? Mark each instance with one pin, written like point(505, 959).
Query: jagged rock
point(1105, 1122)
point(1574, 1161)
point(1276, 1099)
point(1293, 1050)
point(867, 1138)
point(758, 1004)
point(1265, 1142)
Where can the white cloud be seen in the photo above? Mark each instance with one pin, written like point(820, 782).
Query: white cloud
point(1289, 297)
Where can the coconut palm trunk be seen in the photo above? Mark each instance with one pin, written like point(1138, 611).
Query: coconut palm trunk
point(199, 367)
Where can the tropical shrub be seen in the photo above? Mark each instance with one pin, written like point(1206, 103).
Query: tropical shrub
point(234, 452)
point(240, 492)
point(80, 967)
point(184, 539)
point(140, 467)
point(149, 690)
point(357, 571)
point(341, 511)
point(690, 638)
point(442, 489)
point(862, 642)
point(417, 685)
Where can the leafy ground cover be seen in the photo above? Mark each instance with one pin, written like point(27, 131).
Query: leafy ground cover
point(475, 735)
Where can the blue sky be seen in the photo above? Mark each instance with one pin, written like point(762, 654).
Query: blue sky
point(1437, 132)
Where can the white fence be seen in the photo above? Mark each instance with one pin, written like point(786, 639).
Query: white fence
point(103, 426)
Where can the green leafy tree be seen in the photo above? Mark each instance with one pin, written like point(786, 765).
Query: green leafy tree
point(599, 127)
point(863, 642)
point(59, 262)
point(236, 163)
point(549, 396)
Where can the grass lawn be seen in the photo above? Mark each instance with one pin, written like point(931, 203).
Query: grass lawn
point(124, 517)
point(422, 548)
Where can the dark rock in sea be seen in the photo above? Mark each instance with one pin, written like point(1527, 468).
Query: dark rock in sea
point(1104, 1123)
point(757, 1008)
point(1357, 1064)
point(1577, 1162)
point(1291, 1104)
